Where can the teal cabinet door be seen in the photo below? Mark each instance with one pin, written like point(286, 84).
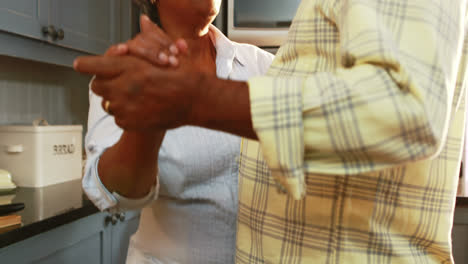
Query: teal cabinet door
point(24, 17)
point(86, 25)
point(101, 238)
point(121, 233)
point(87, 240)
point(460, 235)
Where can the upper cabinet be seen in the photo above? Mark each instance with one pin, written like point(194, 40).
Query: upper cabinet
point(24, 17)
point(56, 31)
point(86, 25)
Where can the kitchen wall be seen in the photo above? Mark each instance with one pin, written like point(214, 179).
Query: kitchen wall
point(29, 90)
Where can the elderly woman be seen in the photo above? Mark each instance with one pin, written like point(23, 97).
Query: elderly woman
point(186, 177)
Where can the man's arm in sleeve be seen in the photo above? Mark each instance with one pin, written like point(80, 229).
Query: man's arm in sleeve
point(389, 104)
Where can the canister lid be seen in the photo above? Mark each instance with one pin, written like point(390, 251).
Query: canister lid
point(41, 129)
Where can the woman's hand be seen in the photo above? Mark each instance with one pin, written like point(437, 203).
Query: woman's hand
point(152, 45)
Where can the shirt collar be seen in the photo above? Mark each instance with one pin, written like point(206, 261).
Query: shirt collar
point(226, 50)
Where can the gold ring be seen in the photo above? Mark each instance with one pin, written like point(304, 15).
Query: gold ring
point(106, 106)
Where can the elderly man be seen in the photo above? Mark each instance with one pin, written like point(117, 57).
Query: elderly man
point(355, 132)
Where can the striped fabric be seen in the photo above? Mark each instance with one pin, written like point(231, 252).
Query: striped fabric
point(361, 121)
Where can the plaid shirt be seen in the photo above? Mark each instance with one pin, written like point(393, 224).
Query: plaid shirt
point(360, 122)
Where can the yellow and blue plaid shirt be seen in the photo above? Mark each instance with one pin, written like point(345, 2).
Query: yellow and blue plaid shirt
point(360, 123)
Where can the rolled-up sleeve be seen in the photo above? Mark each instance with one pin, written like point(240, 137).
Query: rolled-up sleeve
point(387, 102)
point(102, 134)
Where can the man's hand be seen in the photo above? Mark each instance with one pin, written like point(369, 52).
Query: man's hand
point(142, 96)
point(145, 95)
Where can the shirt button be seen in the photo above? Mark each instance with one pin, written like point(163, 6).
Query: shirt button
point(91, 147)
point(348, 60)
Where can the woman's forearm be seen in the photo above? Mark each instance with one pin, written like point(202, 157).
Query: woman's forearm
point(130, 166)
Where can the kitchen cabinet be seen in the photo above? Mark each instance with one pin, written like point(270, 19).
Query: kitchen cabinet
point(86, 25)
point(120, 235)
point(56, 31)
point(24, 17)
point(100, 238)
point(460, 235)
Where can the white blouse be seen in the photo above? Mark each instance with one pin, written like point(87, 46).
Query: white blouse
point(193, 217)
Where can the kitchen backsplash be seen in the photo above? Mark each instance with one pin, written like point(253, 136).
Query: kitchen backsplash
point(30, 90)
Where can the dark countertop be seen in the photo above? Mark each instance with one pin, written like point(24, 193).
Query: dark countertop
point(52, 206)
point(47, 208)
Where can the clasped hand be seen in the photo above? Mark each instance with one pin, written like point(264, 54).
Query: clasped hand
point(142, 82)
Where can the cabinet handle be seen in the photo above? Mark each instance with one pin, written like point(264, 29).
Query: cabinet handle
point(111, 219)
point(121, 217)
point(50, 31)
point(60, 34)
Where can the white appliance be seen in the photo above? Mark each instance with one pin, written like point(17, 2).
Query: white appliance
point(38, 156)
point(264, 23)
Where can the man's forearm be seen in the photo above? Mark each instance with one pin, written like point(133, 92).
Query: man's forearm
point(130, 166)
point(223, 105)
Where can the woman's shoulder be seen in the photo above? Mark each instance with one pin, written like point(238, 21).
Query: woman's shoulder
point(247, 51)
point(253, 57)
point(247, 54)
